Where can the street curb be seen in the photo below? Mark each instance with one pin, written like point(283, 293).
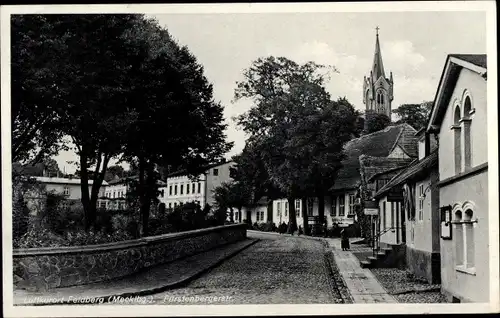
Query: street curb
point(145, 292)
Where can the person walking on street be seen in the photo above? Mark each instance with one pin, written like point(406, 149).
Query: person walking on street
point(344, 240)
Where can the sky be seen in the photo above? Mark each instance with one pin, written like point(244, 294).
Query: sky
point(414, 47)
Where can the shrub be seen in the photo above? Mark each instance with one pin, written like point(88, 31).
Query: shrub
point(39, 236)
point(20, 218)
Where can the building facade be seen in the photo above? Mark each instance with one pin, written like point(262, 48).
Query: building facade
point(378, 89)
point(459, 119)
point(69, 188)
point(180, 188)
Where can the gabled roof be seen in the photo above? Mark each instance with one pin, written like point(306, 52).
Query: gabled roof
point(377, 144)
point(416, 170)
point(371, 167)
point(63, 180)
point(452, 68)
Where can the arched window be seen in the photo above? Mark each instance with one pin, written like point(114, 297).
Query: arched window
point(468, 239)
point(467, 133)
point(457, 140)
point(459, 243)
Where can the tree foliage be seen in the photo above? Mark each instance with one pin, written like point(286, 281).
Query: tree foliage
point(415, 115)
point(375, 121)
point(299, 130)
point(114, 84)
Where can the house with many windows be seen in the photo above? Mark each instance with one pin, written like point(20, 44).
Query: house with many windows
point(114, 194)
point(181, 188)
point(459, 120)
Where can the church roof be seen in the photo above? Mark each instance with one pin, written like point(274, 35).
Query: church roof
point(378, 65)
point(377, 144)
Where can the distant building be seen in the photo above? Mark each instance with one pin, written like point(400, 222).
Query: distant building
point(69, 188)
point(378, 89)
point(181, 189)
point(395, 143)
point(459, 119)
point(114, 195)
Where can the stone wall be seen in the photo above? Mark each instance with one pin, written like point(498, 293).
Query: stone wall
point(45, 268)
point(424, 265)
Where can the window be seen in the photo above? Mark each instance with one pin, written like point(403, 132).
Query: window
point(182, 189)
point(216, 172)
point(341, 205)
point(170, 190)
point(175, 190)
point(333, 211)
point(199, 187)
point(193, 187)
point(278, 208)
point(114, 194)
point(66, 191)
point(102, 204)
point(459, 242)
point(464, 242)
point(175, 204)
point(351, 204)
point(310, 204)
point(297, 208)
point(286, 208)
point(457, 141)
point(187, 188)
point(170, 205)
point(258, 216)
point(421, 202)
point(467, 138)
point(262, 215)
point(162, 193)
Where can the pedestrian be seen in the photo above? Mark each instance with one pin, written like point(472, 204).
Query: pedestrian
point(301, 231)
point(344, 240)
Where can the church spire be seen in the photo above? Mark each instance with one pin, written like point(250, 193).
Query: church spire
point(378, 66)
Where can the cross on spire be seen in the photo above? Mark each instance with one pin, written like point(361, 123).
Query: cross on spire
point(377, 28)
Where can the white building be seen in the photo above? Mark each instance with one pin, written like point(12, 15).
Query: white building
point(70, 188)
point(181, 189)
point(114, 194)
point(459, 118)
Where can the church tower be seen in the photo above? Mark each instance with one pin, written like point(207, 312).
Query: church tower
point(377, 89)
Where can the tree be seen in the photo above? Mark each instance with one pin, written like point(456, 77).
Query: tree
point(299, 130)
point(173, 99)
point(48, 167)
point(87, 63)
point(415, 115)
point(375, 122)
point(114, 171)
point(250, 170)
point(34, 127)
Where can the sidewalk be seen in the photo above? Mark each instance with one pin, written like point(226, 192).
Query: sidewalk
point(362, 284)
point(154, 280)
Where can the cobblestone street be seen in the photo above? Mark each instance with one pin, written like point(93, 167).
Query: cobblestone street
point(277, 269)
